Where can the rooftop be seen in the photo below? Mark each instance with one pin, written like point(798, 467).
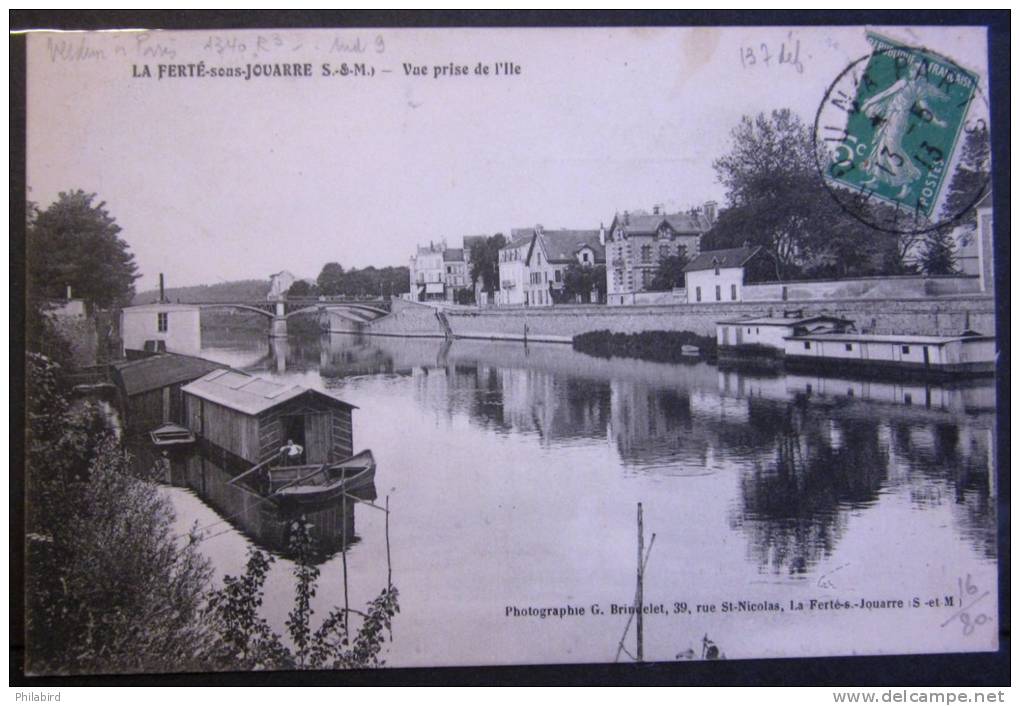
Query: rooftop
point(157, 306)
point(887, 338)
point(732, 257)
point(155, 372)
point(563, 245)
point(453, 255)
point(784, 321)
point(649, 223)
point(247, 393)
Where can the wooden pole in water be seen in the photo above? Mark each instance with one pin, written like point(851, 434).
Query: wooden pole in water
point(640, 584)
point(343, 555)
point(389, 566)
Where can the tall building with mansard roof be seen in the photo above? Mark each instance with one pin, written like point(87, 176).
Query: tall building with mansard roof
point(636, 242)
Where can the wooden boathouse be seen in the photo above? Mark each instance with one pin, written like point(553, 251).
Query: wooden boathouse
point(251, 418)
point(149, 389)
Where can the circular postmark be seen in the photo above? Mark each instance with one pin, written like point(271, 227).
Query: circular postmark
point(894, 130)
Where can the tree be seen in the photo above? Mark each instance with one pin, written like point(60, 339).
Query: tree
point(330, 279)
point(301, 288)
point(485, 263)
point(938, 253)
point(670, 272)
point(75, 243)
point(777, 200)
point(579, 282)
point(970, 177)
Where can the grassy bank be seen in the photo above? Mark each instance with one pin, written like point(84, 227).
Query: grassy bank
point(661, 346)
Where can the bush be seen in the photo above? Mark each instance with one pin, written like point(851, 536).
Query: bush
point(661, 346)
point(109, 586)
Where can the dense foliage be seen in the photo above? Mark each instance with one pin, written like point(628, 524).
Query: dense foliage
point(370, 281)
point(661, 346)
point(485, 263)
point(580, 282)
point(109, 586)
point(777, 200)
point(670, 272)
point(75, 242)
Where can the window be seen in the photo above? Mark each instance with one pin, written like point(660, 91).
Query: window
point(807, 345)
point(733, 292)
point(663, 251)
point(697, 292)
point(785, 297)
point(584, 257)
point(559, 275)
point(749, 330)
point(907, 399)
point(718, 293)
point(849, 346)
point(905, 350)
point(162, 321)
point(646, 253)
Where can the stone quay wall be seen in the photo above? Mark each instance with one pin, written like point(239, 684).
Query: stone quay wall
point(946, 316)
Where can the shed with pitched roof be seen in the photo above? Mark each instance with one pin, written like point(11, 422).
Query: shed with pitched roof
point(251, 418)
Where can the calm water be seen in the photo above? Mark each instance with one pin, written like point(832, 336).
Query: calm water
point(513, 475)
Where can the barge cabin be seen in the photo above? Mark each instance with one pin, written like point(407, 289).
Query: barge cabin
point(150, 388)
point(252, 418)
point(766, 335)
point(950, 356)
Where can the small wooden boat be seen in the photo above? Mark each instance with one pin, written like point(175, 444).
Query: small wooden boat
point(169, 435)
point(315, 484)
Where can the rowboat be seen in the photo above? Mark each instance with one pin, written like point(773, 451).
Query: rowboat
point(169, 435)
point(321, 483)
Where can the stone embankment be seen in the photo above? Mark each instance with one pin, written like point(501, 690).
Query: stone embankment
point(943, 316)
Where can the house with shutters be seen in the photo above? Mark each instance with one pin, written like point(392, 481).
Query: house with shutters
point(534, 264)
point(636, 243)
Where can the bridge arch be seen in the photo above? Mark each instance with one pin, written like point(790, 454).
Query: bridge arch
point(244, 307)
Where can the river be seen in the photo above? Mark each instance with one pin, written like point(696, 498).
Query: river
point(513, 474)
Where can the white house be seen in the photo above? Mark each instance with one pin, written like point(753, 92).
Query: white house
point(536, 261)
point(719, 275)
point(428, 273)
point(279, 284)
point(513, 270)
point(176, 328)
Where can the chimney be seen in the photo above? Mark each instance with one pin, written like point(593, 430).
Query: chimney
point(655, 210)
point(626, 218)
point(162, 297)
point(602, 234)
point(710, 212)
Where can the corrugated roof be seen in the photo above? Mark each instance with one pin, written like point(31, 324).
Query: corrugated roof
point(563, 245)
point(453, 255)
point(247, 393)
point(154, 372)
point(710, 259)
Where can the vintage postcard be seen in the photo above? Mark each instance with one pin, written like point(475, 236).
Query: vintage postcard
point(381, 348)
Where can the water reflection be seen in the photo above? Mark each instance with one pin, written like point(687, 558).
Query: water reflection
point(807, 453)
point(207, 473)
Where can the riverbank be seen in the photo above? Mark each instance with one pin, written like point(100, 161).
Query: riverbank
point(559, 324)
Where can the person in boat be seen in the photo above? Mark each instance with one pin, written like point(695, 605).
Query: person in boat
point(290, 453)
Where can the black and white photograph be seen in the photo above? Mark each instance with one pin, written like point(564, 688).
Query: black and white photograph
point(372, 348)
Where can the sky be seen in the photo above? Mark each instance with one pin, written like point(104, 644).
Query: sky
point(220, 178)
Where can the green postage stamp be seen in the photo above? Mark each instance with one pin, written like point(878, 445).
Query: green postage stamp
point(902, 125)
